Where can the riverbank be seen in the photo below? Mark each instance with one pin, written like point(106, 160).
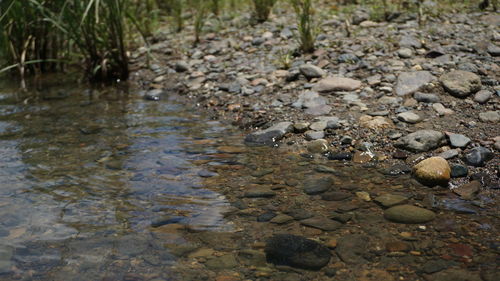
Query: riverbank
point(361, 111)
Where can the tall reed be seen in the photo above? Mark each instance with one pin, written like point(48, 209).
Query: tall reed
point(262, 9)
point(307, 27)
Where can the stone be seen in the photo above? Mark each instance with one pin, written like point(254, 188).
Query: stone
point(441, 110)
point(409, 214)
point(252, 257)
point(361, 157)
point(317, 185)
point(223, 262)
point(468, 191)
point(427, 98)
point(375, 122)
point(461, 83)
point(314, 135)
point(409, 41)
point(335, 196)
point(300, 127)
point(181, 66)
point(318, 126)
point(454, 274)
point(483, 96)
point(448, 154)
point(405, 53)
point(311, 71)
point(296, 251)
point(281, 219)
point(409, 117)
point(478, 156)
point(352, 248)
point(269, 136)
point(493, 50)
point(260, 193)
point(410, 82)
point(331, 84)
point(458, 140)
point(459, 171)
point(317, 146)
point(322, 223)
point(153, 95)
point(389, 200)
point(421, 141)
point(432, 171)
point(489, 116)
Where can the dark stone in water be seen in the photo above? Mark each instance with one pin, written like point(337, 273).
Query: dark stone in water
point(317, 186)
point(266, 217)
point(207, 174)
point(459, 171)
point(340, 156)
point(335, 196)
point(165, 221)
point(296, 251)
point(352, 248)
point(299, 214)
point(398, 169)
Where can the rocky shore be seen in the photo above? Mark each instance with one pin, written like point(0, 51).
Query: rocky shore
point(393, 133)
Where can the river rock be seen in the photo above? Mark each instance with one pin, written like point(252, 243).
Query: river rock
point(317, 146)
point(389, 200)
point(311, 71)
point(410, 82)
point(421, 141)
point(331, 84)
point(441, 110)
point(322, 223)
point(352, 248)
point(432, 171)
point(181, 66)
point(458, 140)
point(483, 96)
point(409, 117)
point(468, 190)
point(296, 251)
point(461, 83)
point(478, 156)
point(375, 122)
point(223, 262)
point(153, 95)
point(408, 214)
point(427, 98)
point(317, 185)
point(454, 274)
point(410, 41)
point(489, 116)
point(270, 135)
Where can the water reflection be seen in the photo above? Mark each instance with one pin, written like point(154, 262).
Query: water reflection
point(87, 175)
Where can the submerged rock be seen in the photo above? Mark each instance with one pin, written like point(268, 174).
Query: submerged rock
point(409, 214)
point(296, 251)
point(269, 136)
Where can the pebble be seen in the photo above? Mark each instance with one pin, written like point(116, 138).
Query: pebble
point(409, 117)
point(409, 214)
point(389, 200)
point(478, 156)
point(181, 66)
point(405, 53)
point(461, 83)
point(458, 140)
point(467, 191)
point(410, 82)
point(331, 84)
point(314, 135)
point(317, 185)
point(296, 251)
point(427, 98)
point(489, 116)
point(441, 110)
point(449, 154)
point(321, 223)
point(459, 171)
point(352, 248)
point(311, 71)
point(483, 96)
point(269, 136)
point(317, 146)
point(421, 141)
point(432, 171)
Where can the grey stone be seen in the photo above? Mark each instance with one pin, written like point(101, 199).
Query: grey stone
point(318, 126)
point(441, 110)
point(309, 99)
point(458, 140)
point(493, 50)
point(410, 42)
point(352, 248)
point(311, 71)
point(483, 96)
point(421, 141)
point(318, 110)
point(331, 84)
point(489, 116)
point(409, 214)
point(332, 122)
point(322, 223)
point(223, 262)
point(461, 83)
point(448, 154)
point(478, 156)
point(348, 58)
point(270, 135)
point(296, 251)
point(409, 117)
point(181, 66)
point(410, 82)
point(389, 200)
point(427, 98)
point(153, 95)
point(405, 53)
point(314, 135)
point(260, 193)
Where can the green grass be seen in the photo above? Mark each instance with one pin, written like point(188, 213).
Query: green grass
point(307, 27)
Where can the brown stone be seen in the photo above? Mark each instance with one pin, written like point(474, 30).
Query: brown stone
point(432, 171)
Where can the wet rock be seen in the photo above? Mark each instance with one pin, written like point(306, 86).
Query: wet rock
point(409, 117)
point(483, 96)
point(335, 196)
point(435, 266)
point(6, 253)
point(361, 157)
point(299, 214)
point(410, 82)
point(153, 95)
point(454, 274)
point(490, 116)
point(478, 156)
point(270, 135)
point(409, 214)
point(207, 174)
point(266, 217)
point(317, 185)
point(432, 171)
point(459, 171)
point(311, 71)
point(321, 223)
point(281, 219)
point(317, 146)
point(223, 262)
point(342, 156)
point(352, 248)
point(467, 191)
point(427, 98)
point(260, 193)
point(331, 84)
point(252, 257)
point(421, 141)
point(389, 200)
point(296, 251)
point(326, 169)
point(461, 83)
point(458, 140)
